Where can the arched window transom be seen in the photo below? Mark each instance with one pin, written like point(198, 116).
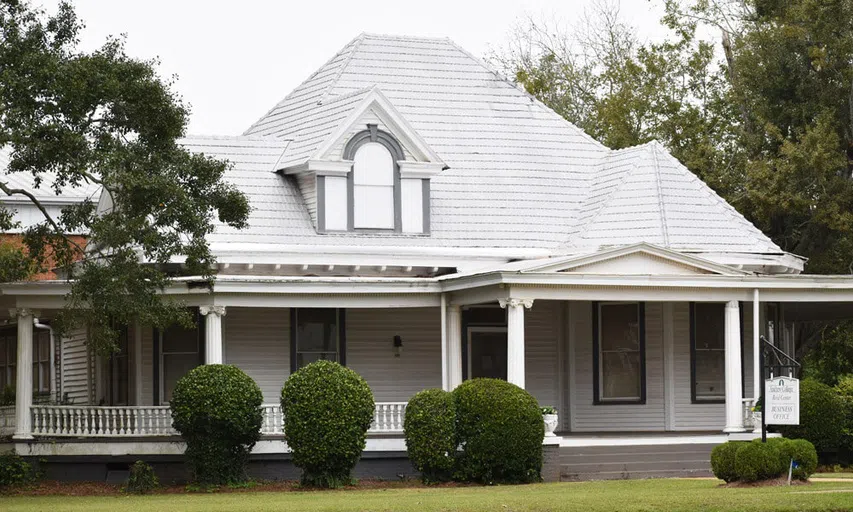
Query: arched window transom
point(374, 183)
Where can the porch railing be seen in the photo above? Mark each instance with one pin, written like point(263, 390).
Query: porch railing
point(7, 420)
point(91, 421)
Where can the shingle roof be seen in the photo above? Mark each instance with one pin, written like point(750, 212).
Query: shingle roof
point(520, 176)
point(25, 180)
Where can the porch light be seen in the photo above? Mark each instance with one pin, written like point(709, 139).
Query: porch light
point(398, 346)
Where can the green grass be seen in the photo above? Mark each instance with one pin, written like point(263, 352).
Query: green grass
point(833, 475)
point(631, 495)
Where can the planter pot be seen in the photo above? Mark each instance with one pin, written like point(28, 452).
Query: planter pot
point(550, 424)
point(756, 421)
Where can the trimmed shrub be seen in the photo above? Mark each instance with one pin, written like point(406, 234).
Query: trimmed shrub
point(822, 417)
point(430, 428)
point(757, 461)
point(723, 460)
point(14, 470)
point(803, 453)
point(844, 388)
point(217, 410)
point(327, 411)
point(142, 479)
point(500, 429)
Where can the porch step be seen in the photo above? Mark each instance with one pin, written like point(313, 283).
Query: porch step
point(632, 462)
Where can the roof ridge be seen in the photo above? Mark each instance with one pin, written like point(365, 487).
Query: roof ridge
point(653, 147)
point(532, 98)
point(340, 97)
point(356, 43)
point(402, 37)
point(259, 138)
point(310, 77)
point(606, 199)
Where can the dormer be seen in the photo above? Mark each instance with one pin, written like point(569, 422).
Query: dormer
point(368, 173)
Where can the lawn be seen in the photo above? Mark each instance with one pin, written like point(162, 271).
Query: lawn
point(630, 495)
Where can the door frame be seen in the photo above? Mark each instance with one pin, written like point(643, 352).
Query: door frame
point(471, 329)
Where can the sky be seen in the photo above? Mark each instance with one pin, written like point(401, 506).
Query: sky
point(234, 60)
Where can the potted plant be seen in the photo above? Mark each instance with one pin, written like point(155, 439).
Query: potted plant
point(549, 416)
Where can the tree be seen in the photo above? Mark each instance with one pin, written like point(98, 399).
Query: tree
point(104, 117)
point(765, 116)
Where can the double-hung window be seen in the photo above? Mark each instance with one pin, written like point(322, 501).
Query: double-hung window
point(41, 361)
point(180, 352)
point(619, 352)
point(118, 372)
point(317, 334)
point(8, 357)
point(707, 344)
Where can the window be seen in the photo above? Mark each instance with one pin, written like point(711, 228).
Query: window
point(373, 187)
point(708, 356)
point(118, 370)
point(41, 361)
point(8, 357)
point(374, 183)
point(316, 334)
point(619, 353)
point(180, 352)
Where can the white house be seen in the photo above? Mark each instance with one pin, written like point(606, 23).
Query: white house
point(423, 221)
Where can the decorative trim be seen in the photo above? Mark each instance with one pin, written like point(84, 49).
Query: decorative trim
point(24, 312)
point(425, 205)
point(514, 303)
point(422, 170)
point(596, 385)
point(217, 310)
point(322, 167)
point(320, 185)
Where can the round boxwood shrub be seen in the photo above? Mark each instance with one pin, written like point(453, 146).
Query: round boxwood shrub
point(500, 430)
point(723, 460)
point(217, 410)
point(14, 470)
point(822, 417)
point(327, 411)
point(142, 479)
point(430, 429)
point(803, 453)
point(757, 461)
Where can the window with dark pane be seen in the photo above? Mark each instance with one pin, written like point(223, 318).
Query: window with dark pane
point(709, 362)
point(317, 335)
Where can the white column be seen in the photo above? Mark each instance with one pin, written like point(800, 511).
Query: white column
point(212, 333)
point(444, 368)
point(734, 391)
point(756, 346)
point(454, 346)
point(24, 384)
point(515, 338)
point(137, 363)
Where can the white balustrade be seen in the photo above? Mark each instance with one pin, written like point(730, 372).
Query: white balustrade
point(7, 420)
point(133, 421)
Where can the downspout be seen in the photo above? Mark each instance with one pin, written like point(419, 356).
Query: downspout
point(57, 393)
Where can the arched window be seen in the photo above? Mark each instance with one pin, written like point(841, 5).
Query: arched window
point(374, 183)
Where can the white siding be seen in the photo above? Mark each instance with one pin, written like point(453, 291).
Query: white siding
point(307, 183)
point(75, 359)
point(621, 418)
point(257, 340)
point(541, 352)
point(370, 335)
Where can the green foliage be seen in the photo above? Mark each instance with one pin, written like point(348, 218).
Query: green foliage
point(844, 388)
point(430, 429)
point(142, 479)
point(822, 417)
point(105, 118)
point(327, 411)
point(756, 461)
point(14, 470)
point(723, 460)
point(14, 263)
point(803, 453)
point(500, 429)
point(8, 396)
point(548, 409)
point(832, 356)
point(217, 410)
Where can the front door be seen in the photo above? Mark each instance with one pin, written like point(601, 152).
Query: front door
point(487, 352)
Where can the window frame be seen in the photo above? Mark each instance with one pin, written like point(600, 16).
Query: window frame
point(10, 347)
point(373, 134)
point(340, 317)
point(694, 399)
point(41, 389)
point(115, 363)
point(596, 354)
point(159, 366)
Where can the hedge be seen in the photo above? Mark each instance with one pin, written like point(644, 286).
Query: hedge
point(430, 430)
point(753, 461)
point(500, 430)
point(723, 460)
point(217, 410)
point(327, 411)
point(14, 470)
point(822, 417)
point(757, 461)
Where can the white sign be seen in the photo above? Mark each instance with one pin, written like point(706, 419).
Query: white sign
point(781, 401)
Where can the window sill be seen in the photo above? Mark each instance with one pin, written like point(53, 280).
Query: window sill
point(619, 402)
point(697, 401)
